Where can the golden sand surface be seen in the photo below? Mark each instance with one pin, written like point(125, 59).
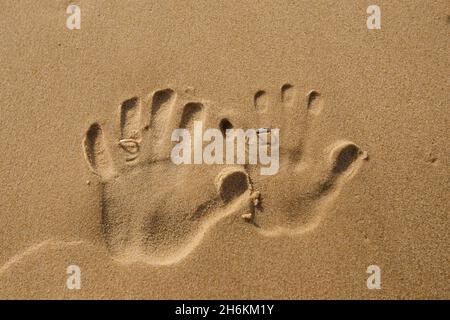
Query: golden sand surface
point(86, 176)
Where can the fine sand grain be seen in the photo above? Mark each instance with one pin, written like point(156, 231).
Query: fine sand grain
point(364, 165)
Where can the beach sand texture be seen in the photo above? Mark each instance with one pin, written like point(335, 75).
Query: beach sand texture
point(86, 175)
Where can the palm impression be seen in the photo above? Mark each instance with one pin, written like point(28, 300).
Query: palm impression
point(152, 209)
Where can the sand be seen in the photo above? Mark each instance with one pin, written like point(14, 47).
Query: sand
point(87, 180)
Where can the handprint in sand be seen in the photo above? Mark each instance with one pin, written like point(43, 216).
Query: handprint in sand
point(152, 209)
point(296, 198)
point(157, 212)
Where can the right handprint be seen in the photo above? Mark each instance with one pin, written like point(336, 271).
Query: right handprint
point(294, 200)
